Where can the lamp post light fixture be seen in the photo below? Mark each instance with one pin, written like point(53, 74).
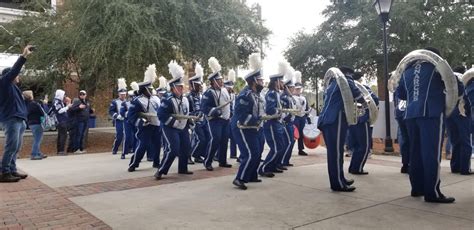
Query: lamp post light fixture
point(383, 10)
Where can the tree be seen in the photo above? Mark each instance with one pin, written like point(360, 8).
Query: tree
point(102, 40)
point(352, 35)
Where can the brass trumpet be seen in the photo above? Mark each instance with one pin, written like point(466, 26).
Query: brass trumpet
point(270, 117)
point(247, 127)
point(291, 111)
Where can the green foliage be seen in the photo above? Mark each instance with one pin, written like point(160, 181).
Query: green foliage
point(352, 35)
point(103, 40)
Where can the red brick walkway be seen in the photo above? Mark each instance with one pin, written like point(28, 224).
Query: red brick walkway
point(30, 204)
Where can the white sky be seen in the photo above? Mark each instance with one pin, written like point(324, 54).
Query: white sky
point(285, 18)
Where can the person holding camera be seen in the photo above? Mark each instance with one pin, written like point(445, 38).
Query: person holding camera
point(13, 114)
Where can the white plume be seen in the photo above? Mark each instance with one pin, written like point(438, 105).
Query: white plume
point(162, 81)
point(198, 70)
point(255, 61)
point(231, 75)
point(214, 64)
point(290, 74)
point(134, 86)
point(175, 69)
point(298, 77)
point(150, 74)
point(283, 67)
point(121, 83)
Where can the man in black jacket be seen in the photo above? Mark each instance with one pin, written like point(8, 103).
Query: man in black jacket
point(80, 112)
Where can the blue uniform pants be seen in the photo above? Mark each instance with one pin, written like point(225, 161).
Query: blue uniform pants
point(459, 131)
point(403, 142)
point(273, 131)
point(218, 141)
point(426, 134)
point(199, 140)
point(248, 142)
point(128, 144)
point(233, 144)
point(178, 144)
point(359, 133)
point(155, 146)
point(300, 122)
point(144, 138)
point(334, 135)
point(119, 125)
point(289, 143)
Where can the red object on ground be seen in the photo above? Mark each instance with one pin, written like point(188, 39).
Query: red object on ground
point(296, 133)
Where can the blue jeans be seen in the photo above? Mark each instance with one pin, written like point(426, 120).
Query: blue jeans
point(37, 131)
point(80, 133)
point(14, 129)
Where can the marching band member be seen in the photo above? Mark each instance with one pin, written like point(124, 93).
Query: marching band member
point(229, 85)
point(333, 123)
point(129, 131)
point(302, 117)
point(360, 133)
point(459, 129)
point(245, 124)
point(403, 140)
point(273, 128)
point(200, 133)
point(114, 112)
point(154, 149)
point(172, 113)
point(143, 115)
point(216, 107)
point(422, 86)
point(288, 102)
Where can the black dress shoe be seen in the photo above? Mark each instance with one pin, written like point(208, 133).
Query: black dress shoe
point(240, 184)
point(289, 165)
point(302, 153)
point(209, 168)
point(467, 173)
point(443, 200)
point(158, 175)
point(282, 168)
point(186, 173)
point(359, 173)
point(345, 189)
point(190, 161)
point(267, 174)
point(198, 160)
point(156, 166)
point(404, 169)
point(8, 178)
point(20, 175)
point(114, 153)
point(349, 181)
point(122, 157)
point(255, 181)
point(277, 171)
point(131, 169)
point(225, 165)
point(416, 194)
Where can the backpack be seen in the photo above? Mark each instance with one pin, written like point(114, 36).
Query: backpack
point(49, 120)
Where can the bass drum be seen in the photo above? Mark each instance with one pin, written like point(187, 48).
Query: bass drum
point(312, 136)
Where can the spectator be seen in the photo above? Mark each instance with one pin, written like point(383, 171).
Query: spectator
point(35, 114)
point(12, 117)
point(81, 111)
point(61, 106)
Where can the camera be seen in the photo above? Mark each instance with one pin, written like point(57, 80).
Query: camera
point(32, 48)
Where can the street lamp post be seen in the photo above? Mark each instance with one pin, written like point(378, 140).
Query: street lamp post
point(383, 9)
